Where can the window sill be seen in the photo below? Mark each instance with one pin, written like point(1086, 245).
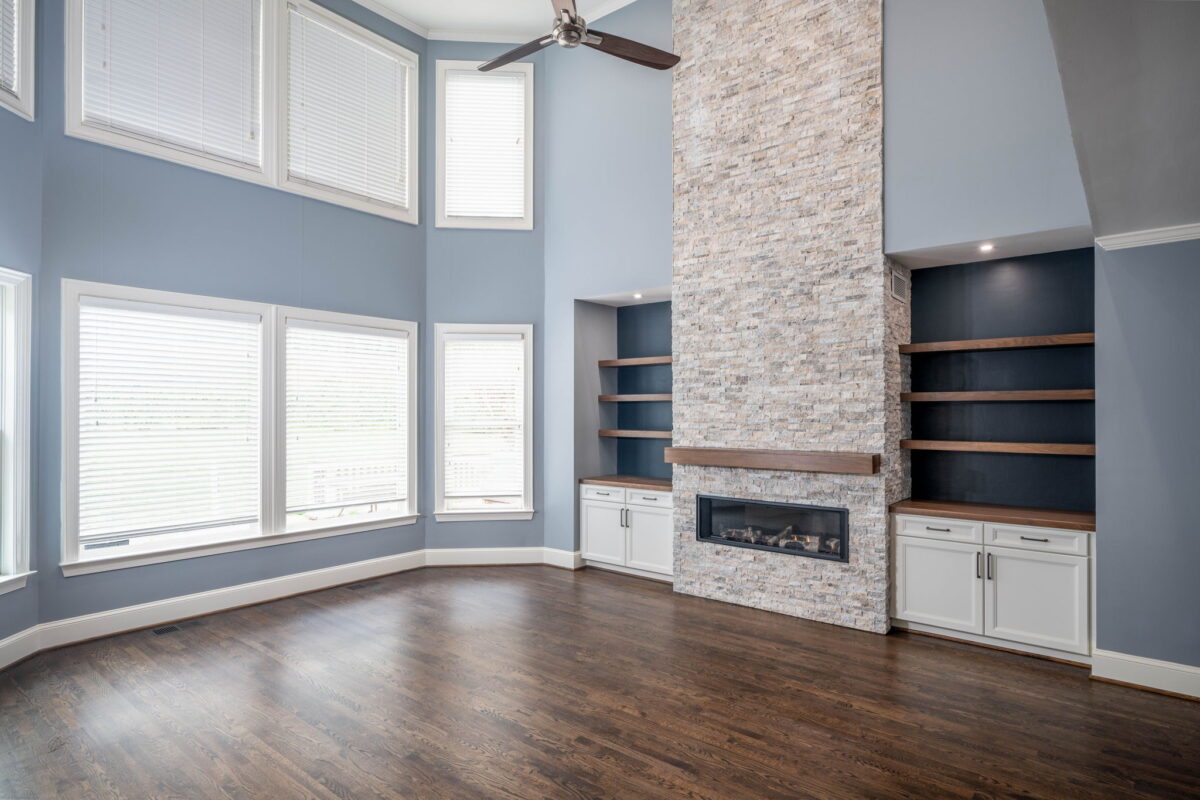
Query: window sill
point(92, 565)
point(11, 583)
point(482, 516)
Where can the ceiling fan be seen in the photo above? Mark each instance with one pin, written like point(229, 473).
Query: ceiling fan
point(571, 30)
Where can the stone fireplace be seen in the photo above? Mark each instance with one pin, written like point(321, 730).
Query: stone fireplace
point(784, 328)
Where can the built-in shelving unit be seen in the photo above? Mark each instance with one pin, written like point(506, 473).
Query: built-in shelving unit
point(1028, 448)
point(635, 398)
point(646, 361)
point(620, 434)
point(1023, 395)
point(1004, 343)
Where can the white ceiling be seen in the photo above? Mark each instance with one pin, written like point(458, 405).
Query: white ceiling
point(483, 20)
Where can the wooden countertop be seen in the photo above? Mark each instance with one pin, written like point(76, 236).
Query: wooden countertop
point(631, 482)
point(1009, 515)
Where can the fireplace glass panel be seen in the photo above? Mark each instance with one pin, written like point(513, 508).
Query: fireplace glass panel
point(813, 531)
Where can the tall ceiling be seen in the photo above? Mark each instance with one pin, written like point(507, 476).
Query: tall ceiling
point(483, 20)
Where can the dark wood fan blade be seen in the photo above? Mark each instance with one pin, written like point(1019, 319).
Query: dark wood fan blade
point(516, 53)
point(564, 5)
point(633, 51)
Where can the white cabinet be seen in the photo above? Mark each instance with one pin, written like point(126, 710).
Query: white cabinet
point(635, 531)
point(650, 539)
point(1010, 583)
point(603, 531)
point(1037, 598)
point(939, 583)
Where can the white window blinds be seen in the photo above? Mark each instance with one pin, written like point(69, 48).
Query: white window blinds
point(348, 101)
point(483, 421)
point(347, 422)
point(9, 44)
point(485, 147)
point(169, 416)
point(181, 74)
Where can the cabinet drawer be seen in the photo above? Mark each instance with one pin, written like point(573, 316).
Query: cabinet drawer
point(950, 530)
point(611, 494)
point(640, 497)
point(1047, 540)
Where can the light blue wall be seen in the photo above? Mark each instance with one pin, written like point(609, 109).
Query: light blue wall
point(1148, 450)
point(608, 192)
point(20, 249)
point(117, 217)
point(484, 276)
point(976, 139)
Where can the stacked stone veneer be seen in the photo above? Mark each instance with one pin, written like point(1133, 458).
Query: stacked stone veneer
point(785, 330)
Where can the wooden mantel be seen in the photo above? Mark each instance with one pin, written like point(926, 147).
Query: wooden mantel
point(789, 460)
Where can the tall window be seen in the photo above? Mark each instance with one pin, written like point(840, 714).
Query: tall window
point(484, 421)
point(348, 422)
point(14, 428)
point(485, 148)
point(198, 424)
point(282, 93)
point(351, 105)
point(16, 56)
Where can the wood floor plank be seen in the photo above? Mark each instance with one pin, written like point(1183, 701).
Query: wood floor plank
point(531, 682)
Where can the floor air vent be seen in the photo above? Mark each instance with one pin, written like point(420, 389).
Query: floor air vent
point(165, 629)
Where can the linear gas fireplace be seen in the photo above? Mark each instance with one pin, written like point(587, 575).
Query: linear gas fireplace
point(813, 531)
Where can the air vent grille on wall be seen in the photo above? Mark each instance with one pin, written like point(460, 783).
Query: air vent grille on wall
point(899, 286)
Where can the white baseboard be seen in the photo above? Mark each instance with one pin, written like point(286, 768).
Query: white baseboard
point(61, 632)
point(1165, 676)
point(991, 641)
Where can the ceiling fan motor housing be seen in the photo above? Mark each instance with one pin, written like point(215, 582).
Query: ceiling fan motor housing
point(570, 33)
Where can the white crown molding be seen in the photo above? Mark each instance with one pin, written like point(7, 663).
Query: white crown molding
point(395, 16)
point(507, 37)
point(1165, 676)
point(62, 632)
point(1175, 233)
point(497, 37)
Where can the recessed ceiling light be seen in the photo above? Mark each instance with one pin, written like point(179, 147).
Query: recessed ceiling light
point(986, 248)
point(637, 295)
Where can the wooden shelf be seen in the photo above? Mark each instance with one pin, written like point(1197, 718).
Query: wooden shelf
point(630, 482)
point(635, 362)
point(618, 434)
point(1034, 395)
point(635, 398)
point(789, 460)
point(1007, 343)
point(1009, 515)
point(1033, 448)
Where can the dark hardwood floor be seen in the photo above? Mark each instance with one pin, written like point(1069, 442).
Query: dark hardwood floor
point(533, 682)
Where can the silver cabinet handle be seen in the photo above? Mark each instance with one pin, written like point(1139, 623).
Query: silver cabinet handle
point(651, 499)
point(989, 566)
point(1033, 539)
point(942, 530)
point(978, 566)
point(624, 517)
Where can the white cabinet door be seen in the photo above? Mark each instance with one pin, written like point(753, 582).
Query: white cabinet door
point(1037, 598)
point(651, 539)
point(939, 583)
point(602, 531)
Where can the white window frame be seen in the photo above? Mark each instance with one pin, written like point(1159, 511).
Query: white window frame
point(273, 472)
point(22, 102)
point(273, 76)
point(412, 92)
point(16, 295)
point(525, 222)
point(440, 512)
